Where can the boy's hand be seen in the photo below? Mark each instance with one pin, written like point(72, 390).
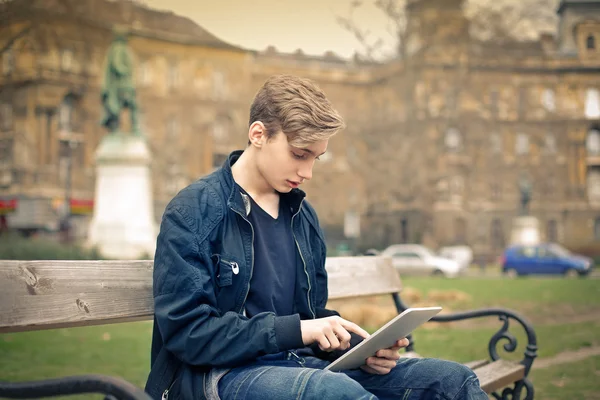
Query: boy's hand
point(330, 333)
point(385, 359)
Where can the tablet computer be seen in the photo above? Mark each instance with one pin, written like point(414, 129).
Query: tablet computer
point(399, 327)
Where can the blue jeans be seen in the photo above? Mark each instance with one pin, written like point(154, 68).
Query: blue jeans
point(287, 376)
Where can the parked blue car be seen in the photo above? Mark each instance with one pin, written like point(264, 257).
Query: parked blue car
point(545, 258)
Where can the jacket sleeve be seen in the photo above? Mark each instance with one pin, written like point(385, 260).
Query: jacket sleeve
point(186, 309)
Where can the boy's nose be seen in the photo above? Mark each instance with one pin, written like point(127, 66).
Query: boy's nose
point(305, 173)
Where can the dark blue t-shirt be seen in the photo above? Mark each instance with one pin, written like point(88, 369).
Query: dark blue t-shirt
point(274, 276)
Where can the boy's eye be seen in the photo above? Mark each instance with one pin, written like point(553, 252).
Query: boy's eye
point(299, 156)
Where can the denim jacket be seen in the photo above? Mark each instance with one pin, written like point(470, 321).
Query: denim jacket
point(202, 270)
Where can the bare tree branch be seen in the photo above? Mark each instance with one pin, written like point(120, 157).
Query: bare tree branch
point(497, 20)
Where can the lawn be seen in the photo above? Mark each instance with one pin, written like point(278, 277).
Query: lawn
point(561, 310)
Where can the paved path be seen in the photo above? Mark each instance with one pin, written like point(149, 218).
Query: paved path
point(568, 356)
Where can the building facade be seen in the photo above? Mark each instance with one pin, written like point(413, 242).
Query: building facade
point(436, 144)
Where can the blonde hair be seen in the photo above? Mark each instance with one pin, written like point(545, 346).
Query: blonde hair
point(297, 107)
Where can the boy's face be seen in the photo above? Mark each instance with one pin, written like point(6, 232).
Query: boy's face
point(285, 167)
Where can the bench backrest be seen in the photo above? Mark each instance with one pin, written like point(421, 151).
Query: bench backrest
point(56, 294)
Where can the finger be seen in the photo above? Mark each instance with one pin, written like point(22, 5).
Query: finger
point(342, 334)
point(381, 365)
point(333, 340)
point(381, 362)
point(323, 342)
point(389, 354)
point(402, 343)
point(352, 327)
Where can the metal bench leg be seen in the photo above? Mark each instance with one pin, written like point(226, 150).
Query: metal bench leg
point(516, 392)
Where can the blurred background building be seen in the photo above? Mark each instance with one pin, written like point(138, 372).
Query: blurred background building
point(437, 137)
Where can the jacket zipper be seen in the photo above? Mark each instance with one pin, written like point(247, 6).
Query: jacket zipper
point(252, 263)
point(303, 262)
point(165, 395)
point(235, 267)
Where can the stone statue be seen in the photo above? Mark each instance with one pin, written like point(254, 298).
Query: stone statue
point(525, 190)
point(118, 89)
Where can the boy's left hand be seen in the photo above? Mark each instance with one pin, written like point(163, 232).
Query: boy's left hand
point(385, 359)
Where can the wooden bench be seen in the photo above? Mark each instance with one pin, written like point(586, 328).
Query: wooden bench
point(37, 295)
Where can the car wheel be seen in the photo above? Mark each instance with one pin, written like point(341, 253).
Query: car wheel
point(511, 273)
point(438, 273)
point(571, 273)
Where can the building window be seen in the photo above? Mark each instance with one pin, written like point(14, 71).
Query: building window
point(65, 114)
point(593, 185)
point(552, 231)
point(590, 42)
point(550, 143)
point(172, 184)
point(522, 144)
point(497, 234)
point(496, 143)
point(172, 75)
point(494, 103)
point(66, 59)
point(549, 187)
point(453, 140)
point(452, 100)
point(592, 142)
point(6, 113)
point(145, 73)
point(6, 151)
point(218, 81)
point(219, 132)
point(522, 107)
point(548, 100)
point(460, 231)
point(597, 228)
point(592, 104)
point(172, 130)
point(496, 190)
point(8, 62)
point(404, 230)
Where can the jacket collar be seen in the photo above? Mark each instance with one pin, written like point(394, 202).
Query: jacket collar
point(236, 200)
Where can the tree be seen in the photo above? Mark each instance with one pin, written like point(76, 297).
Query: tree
point(491, 20)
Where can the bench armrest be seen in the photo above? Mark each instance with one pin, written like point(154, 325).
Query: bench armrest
point(111, 386)
point(503, 333)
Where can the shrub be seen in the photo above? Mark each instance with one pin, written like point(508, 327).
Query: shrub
point(17, 247)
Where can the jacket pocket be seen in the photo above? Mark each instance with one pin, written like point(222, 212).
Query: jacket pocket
point(226, 268)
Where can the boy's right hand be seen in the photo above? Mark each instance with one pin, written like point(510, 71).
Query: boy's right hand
point(330, 333)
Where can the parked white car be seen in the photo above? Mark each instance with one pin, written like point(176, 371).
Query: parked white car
point(414, 259)
point(461, 254)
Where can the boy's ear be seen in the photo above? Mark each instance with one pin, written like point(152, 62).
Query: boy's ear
point(257, 134)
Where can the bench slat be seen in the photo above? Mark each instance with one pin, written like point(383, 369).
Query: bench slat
point(51, 294)
point(476, 363)
point(63, 293)
point(499, 374)
point(361, 276)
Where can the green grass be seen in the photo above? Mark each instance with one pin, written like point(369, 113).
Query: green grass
point(118, 349)
point(460, 344)
point(123, 349)
point(535, 298)
point(574, 381)
point(16, 247)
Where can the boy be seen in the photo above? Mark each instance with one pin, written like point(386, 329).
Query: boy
point(240, 286)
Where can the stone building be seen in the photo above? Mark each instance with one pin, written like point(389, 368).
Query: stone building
point(437, 139)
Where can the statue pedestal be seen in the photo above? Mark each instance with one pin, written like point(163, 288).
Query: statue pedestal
point(123, 225)
point(525, 231)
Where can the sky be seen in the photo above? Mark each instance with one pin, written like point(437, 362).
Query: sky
point(286, 24)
